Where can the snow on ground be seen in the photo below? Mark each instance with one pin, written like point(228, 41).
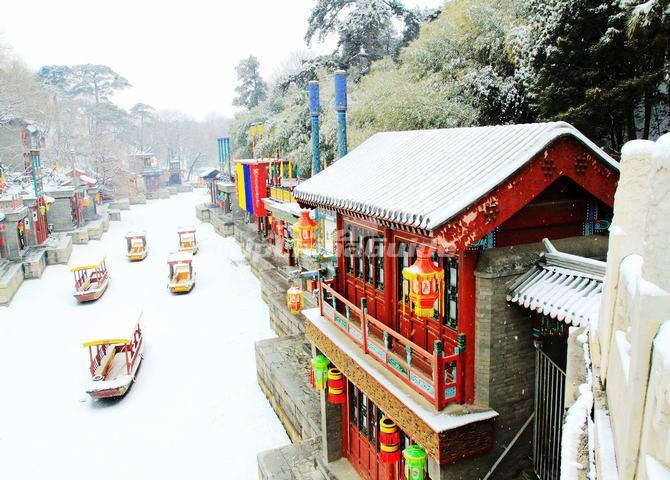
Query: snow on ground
point(195, 411)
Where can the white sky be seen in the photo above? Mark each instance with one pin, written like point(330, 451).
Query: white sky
point(177, 55)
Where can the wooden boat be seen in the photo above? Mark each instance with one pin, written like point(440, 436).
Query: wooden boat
point(137, 246)
point(187, 240)
point(181, 272)
point(114, 364)
point(90, 281)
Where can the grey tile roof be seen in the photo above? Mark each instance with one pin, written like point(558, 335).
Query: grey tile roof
point(423, 178)
point(562, 286)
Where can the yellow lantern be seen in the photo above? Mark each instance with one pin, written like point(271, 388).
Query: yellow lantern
point(303, 231)
point(425, 282)
point(294, 299)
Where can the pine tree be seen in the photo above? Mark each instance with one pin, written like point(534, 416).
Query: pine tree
point(252, 89)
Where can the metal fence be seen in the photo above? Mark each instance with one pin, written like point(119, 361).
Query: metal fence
point(549, 403)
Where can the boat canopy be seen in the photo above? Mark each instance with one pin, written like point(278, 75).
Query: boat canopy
point(137, 234)
point(89, 265)
point(110, 341)
point(180, 257)
point(186, 229)
point(124, 323)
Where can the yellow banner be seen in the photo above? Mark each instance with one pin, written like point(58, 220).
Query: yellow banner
point(241, 198)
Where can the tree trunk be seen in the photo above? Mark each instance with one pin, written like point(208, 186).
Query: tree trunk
point(647, 113)
point(631, 129)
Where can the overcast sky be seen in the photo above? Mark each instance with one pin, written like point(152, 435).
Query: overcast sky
point(177, 55)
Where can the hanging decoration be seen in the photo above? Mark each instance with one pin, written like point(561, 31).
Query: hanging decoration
point(389, 441)
point(318, 377)
point(336, 387)
point(86, 202)
point(294, 299)
point(416, 463)
point(426, 284)
point(303, 232)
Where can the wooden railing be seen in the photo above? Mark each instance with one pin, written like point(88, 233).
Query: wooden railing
point(433, 375)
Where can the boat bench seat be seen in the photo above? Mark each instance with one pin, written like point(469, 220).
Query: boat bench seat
point(106, 362)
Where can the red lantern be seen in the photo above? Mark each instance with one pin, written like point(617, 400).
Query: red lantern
point(389, 441)
point(303, 231)
point(336, 387)
point(426, 284)
point(294, 299)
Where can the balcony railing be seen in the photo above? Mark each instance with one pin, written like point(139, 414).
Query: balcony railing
point(433, 375)
point(283, 194)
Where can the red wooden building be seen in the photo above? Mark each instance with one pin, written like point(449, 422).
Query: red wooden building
point(452, 194)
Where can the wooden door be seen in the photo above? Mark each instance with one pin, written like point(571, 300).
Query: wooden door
point(364, 269)
point(363, 448)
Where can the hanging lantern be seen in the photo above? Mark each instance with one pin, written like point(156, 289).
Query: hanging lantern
point(43, 210)
point(303, 231)
point(319, 372)
point(389, 441)
point(294, 299)
point(416, 463)
point(97, 198)
point(426, 284)
point(336, 387)
point(86, 202)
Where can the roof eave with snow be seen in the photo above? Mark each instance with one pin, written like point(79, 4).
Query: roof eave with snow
point(457, 166)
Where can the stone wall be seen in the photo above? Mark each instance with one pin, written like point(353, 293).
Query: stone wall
point(282, 366)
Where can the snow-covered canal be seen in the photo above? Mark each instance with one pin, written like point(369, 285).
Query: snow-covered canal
point(195, 410)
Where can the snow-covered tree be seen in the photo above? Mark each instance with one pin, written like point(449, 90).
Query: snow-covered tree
point(366, 30)
point(252, 88)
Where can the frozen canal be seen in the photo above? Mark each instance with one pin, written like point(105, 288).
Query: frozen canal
point(195, 411)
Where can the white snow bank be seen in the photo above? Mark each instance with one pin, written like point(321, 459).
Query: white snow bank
point(578, 426)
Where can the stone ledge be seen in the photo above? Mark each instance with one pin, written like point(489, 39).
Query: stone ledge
point(292, 462)
point(11, 278)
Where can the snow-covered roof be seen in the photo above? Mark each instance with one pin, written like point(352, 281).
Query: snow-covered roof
point(562, 286)
point(291, 208)
point(423, 178)
point(209, 173)
point(180, 257)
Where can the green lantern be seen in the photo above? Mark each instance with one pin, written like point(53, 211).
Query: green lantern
point(320, 372)
point(416, 463)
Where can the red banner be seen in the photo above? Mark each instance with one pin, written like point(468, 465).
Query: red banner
point(259, 189)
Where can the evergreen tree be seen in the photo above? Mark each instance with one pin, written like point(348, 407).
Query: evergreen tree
point(364, 28)
point(587, 70)
point(252, 89)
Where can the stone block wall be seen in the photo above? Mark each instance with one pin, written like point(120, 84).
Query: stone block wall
point(282, 366)
point(60, 214)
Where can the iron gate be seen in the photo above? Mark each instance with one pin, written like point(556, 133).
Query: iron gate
point(549, 403)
